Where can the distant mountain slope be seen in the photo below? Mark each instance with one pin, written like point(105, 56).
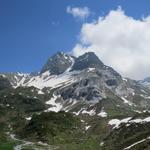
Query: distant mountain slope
point(4, 83)
point(145, 82)
point(84, 80)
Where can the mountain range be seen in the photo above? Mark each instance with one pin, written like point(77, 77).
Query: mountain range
point(74, 104)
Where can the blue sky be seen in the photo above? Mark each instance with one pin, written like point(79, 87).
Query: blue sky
point(33, 30)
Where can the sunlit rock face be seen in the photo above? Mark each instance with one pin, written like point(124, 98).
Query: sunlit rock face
point(58, 63)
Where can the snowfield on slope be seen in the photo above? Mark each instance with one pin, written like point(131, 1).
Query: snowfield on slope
point(47, 80)
point(116, 122)
point(54, 105)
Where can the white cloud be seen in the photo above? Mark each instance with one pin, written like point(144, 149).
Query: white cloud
point(120, 41)
point(78, 12)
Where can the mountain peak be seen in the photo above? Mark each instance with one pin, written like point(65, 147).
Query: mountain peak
point(58, 63)
point(60, 53)
point(87, 60)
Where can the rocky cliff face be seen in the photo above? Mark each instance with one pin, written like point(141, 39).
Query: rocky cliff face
point(58, 63)
point(88, 60)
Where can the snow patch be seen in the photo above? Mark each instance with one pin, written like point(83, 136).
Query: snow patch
point(127, 102)
point(4, 76)
point(28, 118)
point(102, 114)
point(72, 61)
point(136, 143)
point(87, 127)
point(124, 79)
point(91, 69)
point(55, 106)
point(143, 91)
point(138, 111)
point(91, 112)
point(77, 113)
point(71, 103)
point(54, 81)
point(145, 96)
point(43, 144)
point(116, 122)
point(102, 143)
point(40, 92)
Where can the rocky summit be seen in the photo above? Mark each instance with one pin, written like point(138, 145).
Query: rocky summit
point(86, 61)
point(74, 104)
point(58, 63)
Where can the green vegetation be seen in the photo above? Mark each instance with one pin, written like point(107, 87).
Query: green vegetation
point(52, 127)
point(63, 130)
point(7, 146)
point(125, 136)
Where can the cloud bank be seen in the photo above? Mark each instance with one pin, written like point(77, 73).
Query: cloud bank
point(78, 12)
point(120, 41)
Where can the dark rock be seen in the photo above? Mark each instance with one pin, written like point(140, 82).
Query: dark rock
point(87, 60)
point(58, 63)
point(4, 83)
point(111, 82)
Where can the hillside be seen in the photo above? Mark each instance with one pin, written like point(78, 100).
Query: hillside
point(74, 104)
